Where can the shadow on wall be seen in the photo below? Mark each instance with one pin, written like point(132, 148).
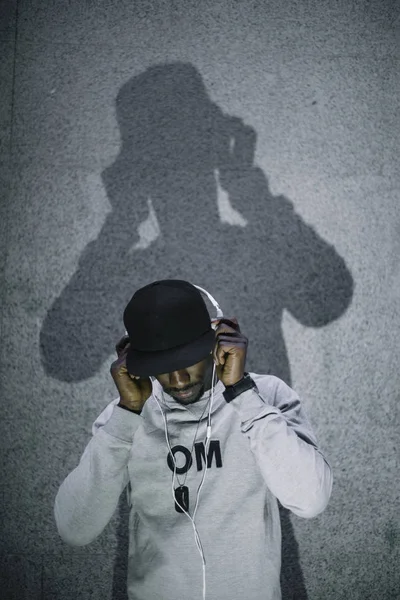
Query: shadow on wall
point(251, 251)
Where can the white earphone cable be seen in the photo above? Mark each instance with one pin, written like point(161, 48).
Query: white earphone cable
point(208, 436)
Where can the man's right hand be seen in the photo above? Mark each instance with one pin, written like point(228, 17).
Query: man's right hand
point(133, 390)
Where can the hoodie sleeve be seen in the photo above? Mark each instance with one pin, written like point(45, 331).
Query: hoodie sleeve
point(285, 447)
point(88, 497)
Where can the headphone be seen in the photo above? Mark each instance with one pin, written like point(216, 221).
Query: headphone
point(208, 436)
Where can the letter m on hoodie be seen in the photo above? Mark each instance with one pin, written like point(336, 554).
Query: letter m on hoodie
point(214, 450)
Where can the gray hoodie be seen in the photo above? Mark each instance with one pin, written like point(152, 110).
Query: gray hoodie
point(262, 447)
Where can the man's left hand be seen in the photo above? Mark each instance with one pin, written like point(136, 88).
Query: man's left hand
point(230, 350)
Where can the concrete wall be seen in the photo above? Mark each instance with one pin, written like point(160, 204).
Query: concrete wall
point(252, 149)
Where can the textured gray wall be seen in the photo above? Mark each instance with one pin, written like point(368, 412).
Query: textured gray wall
point(251, 148)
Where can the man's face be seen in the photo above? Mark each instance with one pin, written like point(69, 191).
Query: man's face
point(195, 379)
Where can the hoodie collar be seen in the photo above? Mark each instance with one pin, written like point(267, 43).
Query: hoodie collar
point(169, 404)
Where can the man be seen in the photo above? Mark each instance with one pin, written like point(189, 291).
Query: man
point(260, 448)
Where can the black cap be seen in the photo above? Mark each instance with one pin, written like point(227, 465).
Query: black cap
point(169, 328)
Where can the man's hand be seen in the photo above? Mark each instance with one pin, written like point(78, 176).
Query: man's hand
point(133, 390)
point(230, 351)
